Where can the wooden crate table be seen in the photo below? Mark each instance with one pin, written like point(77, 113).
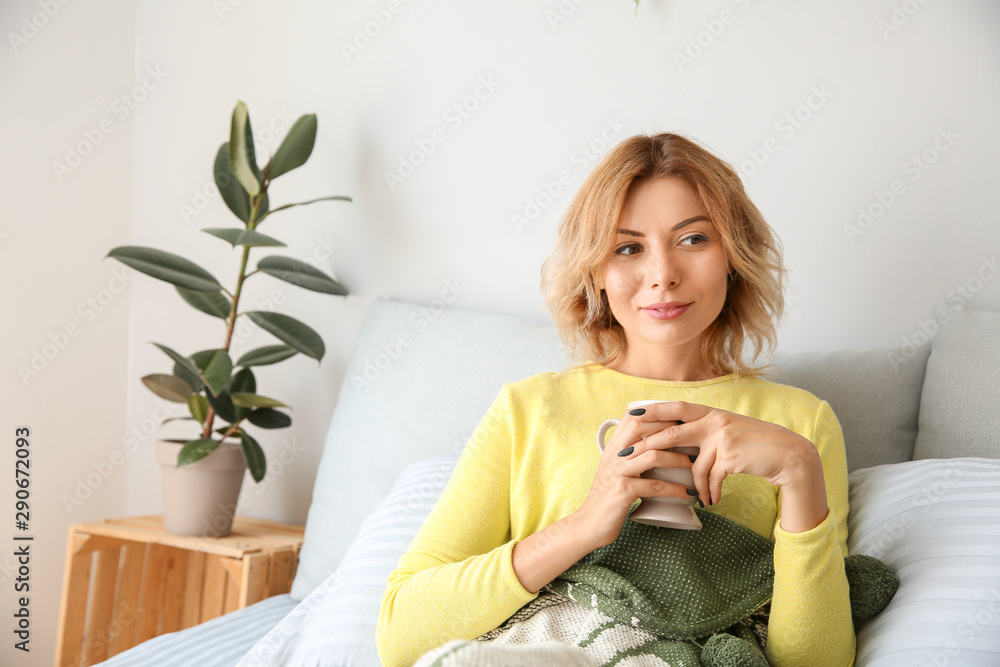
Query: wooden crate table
point(128, 580)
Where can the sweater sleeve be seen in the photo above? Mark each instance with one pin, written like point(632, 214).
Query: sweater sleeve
point(810, 622)
point(457, 580)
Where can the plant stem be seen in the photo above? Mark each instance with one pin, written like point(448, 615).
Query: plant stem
point(232, 429)
point(231, 319)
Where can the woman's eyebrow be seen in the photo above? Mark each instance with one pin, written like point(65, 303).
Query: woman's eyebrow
point(679, 225)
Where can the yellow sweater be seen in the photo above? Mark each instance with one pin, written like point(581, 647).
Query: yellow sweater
point(531, 461)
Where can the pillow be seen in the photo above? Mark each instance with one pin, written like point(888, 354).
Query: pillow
point(960, 404)
point(335, 624)
point(420, 380)
point(936, 523)
point(874, 393)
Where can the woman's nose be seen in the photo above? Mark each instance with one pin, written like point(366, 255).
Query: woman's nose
point(663, 271)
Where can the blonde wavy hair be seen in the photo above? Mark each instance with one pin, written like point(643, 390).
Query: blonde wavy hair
point(587, 235)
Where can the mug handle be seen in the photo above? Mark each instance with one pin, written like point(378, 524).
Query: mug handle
point(608, 423)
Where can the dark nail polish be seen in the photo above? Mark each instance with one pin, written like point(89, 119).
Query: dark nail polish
point(693, 457)
point(679, 422)
point(701, 503)
point(637, 412)
point(710, 502)
point(628, 450)
point(692, 492)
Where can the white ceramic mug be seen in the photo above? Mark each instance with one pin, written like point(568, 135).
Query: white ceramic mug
point(667, 512)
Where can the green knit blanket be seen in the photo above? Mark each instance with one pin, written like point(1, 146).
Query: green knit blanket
point(658, 596)
point(679, 584)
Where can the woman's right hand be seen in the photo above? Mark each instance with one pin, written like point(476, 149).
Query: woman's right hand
point(618, 482)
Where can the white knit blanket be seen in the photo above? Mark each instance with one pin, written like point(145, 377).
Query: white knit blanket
point(553, 631)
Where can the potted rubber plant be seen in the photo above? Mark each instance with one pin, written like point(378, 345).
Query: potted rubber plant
point(202, 475)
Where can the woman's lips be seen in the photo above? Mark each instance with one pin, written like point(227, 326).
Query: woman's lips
point(666, 313)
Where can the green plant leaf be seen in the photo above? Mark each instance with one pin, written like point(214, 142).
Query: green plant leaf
point(198, 405)
point(196, 449)
point(291, 332)
point(254, 456)
point(241, 150)
point(232, 192)
point(222, 405)
point(250, 400)
point(215, 303)
point(193, 380)
point(181, 360)
point(218, 371)
point(260, 218)
point(202, 358)
point(167, 267)
point(295, 148)
point(223, 429)
point(169, 387)
point(247, 237)
point(269, 354)
point(299, 273)
point(243, 382)
point(269, 418)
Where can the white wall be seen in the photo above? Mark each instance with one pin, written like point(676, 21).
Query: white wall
point(65, 324)
point(552, 96)
point(560, 92)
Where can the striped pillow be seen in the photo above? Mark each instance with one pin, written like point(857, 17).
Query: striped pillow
point(335, 624)
point(936, 523)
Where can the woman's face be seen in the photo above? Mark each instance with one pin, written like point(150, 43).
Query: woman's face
point(666, 279)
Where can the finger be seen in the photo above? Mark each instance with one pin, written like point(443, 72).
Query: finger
point(709, 471)
point(715, 478)
point(670, 435)
point(636, 464)
point(701, 471)
point(686, 439)
point(628, 432)
point(671, 411)
point(657, 488)
point(613, 440)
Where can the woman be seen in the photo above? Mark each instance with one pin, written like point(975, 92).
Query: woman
point(664, 272)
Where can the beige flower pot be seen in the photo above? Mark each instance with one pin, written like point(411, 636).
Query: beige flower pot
point(200, 498)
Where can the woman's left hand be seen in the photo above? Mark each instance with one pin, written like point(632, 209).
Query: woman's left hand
point(734, 443)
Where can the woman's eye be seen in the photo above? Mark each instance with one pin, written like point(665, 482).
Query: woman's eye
point(629, 249)
point(695, 239)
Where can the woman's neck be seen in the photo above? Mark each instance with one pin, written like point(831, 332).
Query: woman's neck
point(683, 372)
